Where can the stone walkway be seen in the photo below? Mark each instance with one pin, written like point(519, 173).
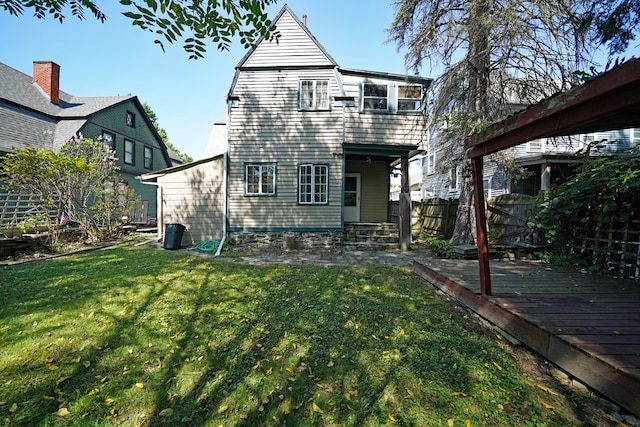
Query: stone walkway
point(322, 257)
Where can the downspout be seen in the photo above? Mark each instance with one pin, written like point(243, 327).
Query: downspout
point(226, 200)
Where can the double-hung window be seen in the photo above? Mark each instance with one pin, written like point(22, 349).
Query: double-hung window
point(635, 136)
point(375, 97)
point(314, 94)
point(454, 179)
point(409, 97)
point(148, 157)
point(313, 184)
point(260, 179)
point(129, 152)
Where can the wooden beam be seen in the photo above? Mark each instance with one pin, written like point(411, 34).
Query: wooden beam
point(405, 206)
point(609, 101)
point(481, 226)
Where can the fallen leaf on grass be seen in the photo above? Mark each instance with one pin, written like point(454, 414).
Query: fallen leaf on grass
point(450, 422)
point(497, 366)
point(139, 385)
point(548, 390)
point(391, 417)
point(13, 408)
point(546, 405)
point(222, 409)
point(316, 408)
point(63, 412)
point(330, 364)
point(108, 401)
point(52, 367)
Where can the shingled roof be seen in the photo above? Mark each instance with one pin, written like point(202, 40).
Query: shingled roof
point(27, 113)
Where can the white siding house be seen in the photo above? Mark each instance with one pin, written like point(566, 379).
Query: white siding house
point(310, 144)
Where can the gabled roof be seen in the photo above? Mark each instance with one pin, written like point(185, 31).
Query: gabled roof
point(57, 122)
point(292, 34)
point(20, 89)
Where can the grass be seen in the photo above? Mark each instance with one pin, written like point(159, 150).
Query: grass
point(137, 336)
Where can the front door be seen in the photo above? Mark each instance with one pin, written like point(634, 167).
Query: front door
point(352, 197)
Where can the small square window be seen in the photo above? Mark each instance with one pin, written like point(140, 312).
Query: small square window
point(129, 152)
point(148, 157)
point(131, 119)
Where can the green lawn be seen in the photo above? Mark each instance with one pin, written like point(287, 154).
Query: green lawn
point(138, 336)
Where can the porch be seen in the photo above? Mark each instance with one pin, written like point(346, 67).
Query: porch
point(587, 325)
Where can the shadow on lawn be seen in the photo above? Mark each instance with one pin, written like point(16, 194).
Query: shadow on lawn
point(245, 345)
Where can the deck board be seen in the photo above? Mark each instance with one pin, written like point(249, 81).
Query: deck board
point(588, 325)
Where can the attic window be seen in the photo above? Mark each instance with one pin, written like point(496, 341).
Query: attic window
point(314, 94)
point(131, 119)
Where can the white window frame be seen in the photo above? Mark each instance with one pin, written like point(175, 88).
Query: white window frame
point(382, 103)
point(407, 99)
point(431, 163)
point(259, 187)
point(454, 179)
point(317, 98)
point(634, 136)
point(313, 184)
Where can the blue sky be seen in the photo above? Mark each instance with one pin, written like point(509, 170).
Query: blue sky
point(188, 96)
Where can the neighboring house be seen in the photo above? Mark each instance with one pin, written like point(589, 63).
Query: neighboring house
point(310, 144)
point(547, 161)
point(35, 112)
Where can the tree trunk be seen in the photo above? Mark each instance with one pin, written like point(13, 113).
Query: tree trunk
point(464, 232)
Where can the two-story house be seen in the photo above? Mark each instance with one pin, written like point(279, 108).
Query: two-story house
point(310, 146)
point(35, 112)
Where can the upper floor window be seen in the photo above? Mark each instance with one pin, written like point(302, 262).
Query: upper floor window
point(109, 139)
point(409, 97)
point(454, 179)
point(148, 157)
point(313, 184)
point(260, 179)
point(131, 119)
point(314, 94)
point(129, 152)
point(391, 98)
point(375, 97)
point(431, 163)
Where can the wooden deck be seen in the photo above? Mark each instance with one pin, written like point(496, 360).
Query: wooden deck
point(586, 324)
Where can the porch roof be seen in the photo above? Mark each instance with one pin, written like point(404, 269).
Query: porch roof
point(378, 150)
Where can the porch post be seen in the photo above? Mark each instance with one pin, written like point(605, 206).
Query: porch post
point(481, 226)
point(404, 206)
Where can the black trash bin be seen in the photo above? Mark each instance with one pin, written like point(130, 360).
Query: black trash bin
point(173, 236)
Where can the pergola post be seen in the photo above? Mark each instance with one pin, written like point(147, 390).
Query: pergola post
point(481, 226)
point(404, 205)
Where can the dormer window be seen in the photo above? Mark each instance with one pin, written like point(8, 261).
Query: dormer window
point(314, 94)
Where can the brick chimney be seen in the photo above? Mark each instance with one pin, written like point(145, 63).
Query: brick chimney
point(47, 75)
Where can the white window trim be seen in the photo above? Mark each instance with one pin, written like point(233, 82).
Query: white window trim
point(312, 200)
point(314, 95)
point(431, 163)
point(456, 182)
point(392, 98)
point(634, 140)
point(260, 167)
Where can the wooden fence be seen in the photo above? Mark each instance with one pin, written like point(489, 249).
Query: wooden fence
point(507, 217)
